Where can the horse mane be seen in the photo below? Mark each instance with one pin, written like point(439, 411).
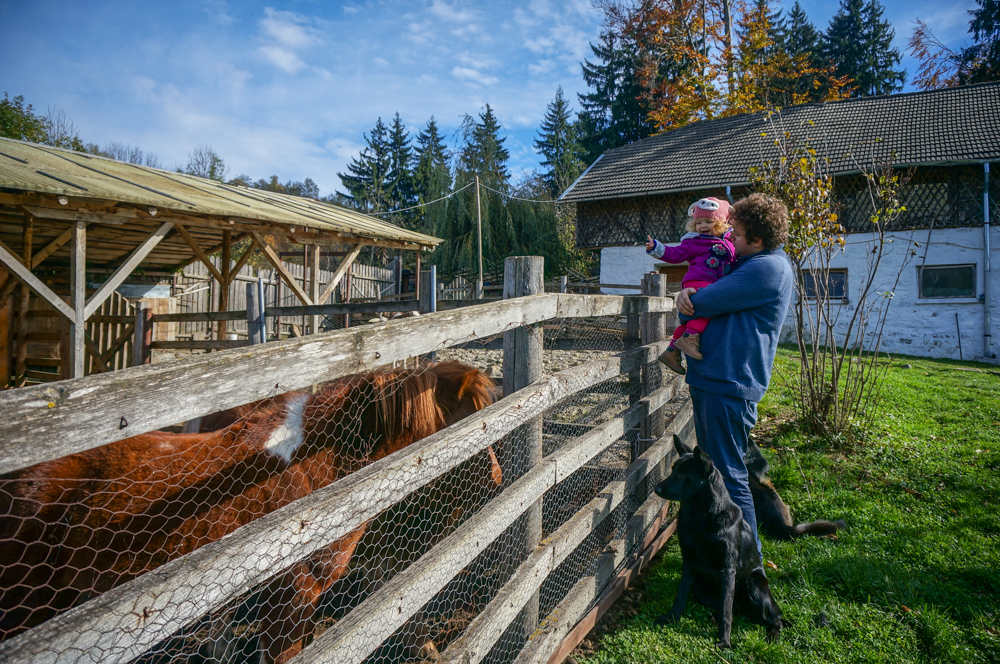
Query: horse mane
point(458, 381)
point(375, 414)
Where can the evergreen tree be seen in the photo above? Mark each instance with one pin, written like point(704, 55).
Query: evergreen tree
point(431, 176)
point(367, 181)
point(858, 42)
point(615, 112)
point(801, 42)
point(981, 61)
point(483, 152)
point(557, 141)
point(399, 180)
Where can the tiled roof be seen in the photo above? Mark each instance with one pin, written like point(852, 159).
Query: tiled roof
point(934, 127)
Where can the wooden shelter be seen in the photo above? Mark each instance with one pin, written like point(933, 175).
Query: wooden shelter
point(68, 219)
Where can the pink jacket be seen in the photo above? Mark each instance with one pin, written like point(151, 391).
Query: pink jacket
point(706, 254)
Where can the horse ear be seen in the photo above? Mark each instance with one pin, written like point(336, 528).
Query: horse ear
point(681, 446)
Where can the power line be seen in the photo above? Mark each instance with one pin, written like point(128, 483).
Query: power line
point(527, 200)
point(414, 207)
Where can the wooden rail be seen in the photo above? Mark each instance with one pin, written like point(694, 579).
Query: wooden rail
point(50, 421)
point(304, 310)
point(176, 593)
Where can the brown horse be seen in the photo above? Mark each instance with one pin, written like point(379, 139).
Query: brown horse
point(76, 527)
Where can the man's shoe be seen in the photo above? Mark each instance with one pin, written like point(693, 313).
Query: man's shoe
point(691, 345)
point(672, 358)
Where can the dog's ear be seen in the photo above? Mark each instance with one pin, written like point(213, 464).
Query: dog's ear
point(704, 459)
point(681, 446)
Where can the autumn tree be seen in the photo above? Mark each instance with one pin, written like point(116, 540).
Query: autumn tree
point(943, 67)
point(205, 162)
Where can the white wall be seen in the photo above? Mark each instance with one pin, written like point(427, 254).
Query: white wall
point(625, 265)
point(915, 326)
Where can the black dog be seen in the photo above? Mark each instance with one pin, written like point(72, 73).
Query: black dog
point(773, 516)
point(721, 564)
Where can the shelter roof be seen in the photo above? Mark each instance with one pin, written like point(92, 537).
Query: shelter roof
point(63, 185)
point(955, 125)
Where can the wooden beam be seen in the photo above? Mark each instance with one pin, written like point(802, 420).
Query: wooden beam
point(177, 593)
point(202, 256)
point(15, 265)
point(243, 259)
point(117, 217)
point(23, 304)
point(78, 286)
point(126, 268)
point(10, 251)
point(339, 273)
point(95, 353)
point(275, 261)
point(313, 286)
point(51, 247)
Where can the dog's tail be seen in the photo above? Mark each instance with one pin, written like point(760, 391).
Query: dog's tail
point(818, 528)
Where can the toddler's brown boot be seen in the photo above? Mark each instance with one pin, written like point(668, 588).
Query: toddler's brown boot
point(672, 358)
point(691, 345)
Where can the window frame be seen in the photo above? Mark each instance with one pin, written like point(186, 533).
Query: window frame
point(937, 298)
point(834, 299)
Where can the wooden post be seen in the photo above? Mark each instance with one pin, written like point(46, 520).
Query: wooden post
point(522, 365)
point(227, 278)
point(5, 302)
point(142, 335)
point(633, 339)
point(78, 284)
point(416, 276)
point(653, 329)
point(313, 285)
point(255, 312)
point(23, 301)
point(564, 284)
point(277, 303)
point(479, 242)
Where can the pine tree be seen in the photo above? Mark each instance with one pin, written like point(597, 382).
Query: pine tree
point(858, 42)
point(981, 61)
point(557, 142)
point(399, 180)
point(616, 112)
point(431, 176)
point(368, 178)
point(483, 152)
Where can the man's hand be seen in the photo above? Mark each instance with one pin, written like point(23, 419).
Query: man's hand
point(683, 301)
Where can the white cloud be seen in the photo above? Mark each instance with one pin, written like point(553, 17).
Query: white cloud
point(381, 62)
point(286, 61)
point(541, 67)
point(450, 12)
point(473, 76)
point(289, 29)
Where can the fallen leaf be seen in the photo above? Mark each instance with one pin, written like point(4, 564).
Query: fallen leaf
point(905, 609)
point(771, 565)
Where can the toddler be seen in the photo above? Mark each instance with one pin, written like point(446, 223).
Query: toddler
point(707, 250)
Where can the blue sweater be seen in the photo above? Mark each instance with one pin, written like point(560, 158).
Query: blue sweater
point(747, 308)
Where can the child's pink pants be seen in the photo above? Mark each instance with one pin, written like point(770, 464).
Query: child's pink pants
point(695, 325)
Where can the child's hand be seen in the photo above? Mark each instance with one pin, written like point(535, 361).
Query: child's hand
point(649, 243)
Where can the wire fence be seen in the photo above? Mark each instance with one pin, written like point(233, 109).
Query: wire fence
point(406, 571)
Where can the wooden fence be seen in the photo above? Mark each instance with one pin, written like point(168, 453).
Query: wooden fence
point(587, 556)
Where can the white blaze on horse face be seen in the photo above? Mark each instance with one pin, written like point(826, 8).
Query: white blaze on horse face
point(289, 435)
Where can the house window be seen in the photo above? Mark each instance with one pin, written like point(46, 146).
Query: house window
point(947, 280)
point(835, 287)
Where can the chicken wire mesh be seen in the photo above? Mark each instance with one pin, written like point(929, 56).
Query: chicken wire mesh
point(76, 527)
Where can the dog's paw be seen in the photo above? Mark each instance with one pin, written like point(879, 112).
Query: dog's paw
point(666, 619)
point(724, 645)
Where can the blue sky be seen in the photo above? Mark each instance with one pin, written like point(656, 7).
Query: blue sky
point(289, 87)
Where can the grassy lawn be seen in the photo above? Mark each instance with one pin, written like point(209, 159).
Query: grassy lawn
point(914, 578)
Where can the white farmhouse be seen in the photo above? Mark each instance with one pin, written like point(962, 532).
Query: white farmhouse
point(946, 300)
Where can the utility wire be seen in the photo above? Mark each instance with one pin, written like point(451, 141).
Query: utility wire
point(527, 200)
point(414, 207)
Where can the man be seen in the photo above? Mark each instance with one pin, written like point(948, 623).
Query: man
point(747, 308)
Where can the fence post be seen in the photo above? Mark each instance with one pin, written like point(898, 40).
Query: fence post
point(142, 334)
point(256, 333)
point(428, 290)
point(563, 284)
point(653, 328)
point(522, 365)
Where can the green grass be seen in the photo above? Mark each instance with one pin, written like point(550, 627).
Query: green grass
point(914, 578)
